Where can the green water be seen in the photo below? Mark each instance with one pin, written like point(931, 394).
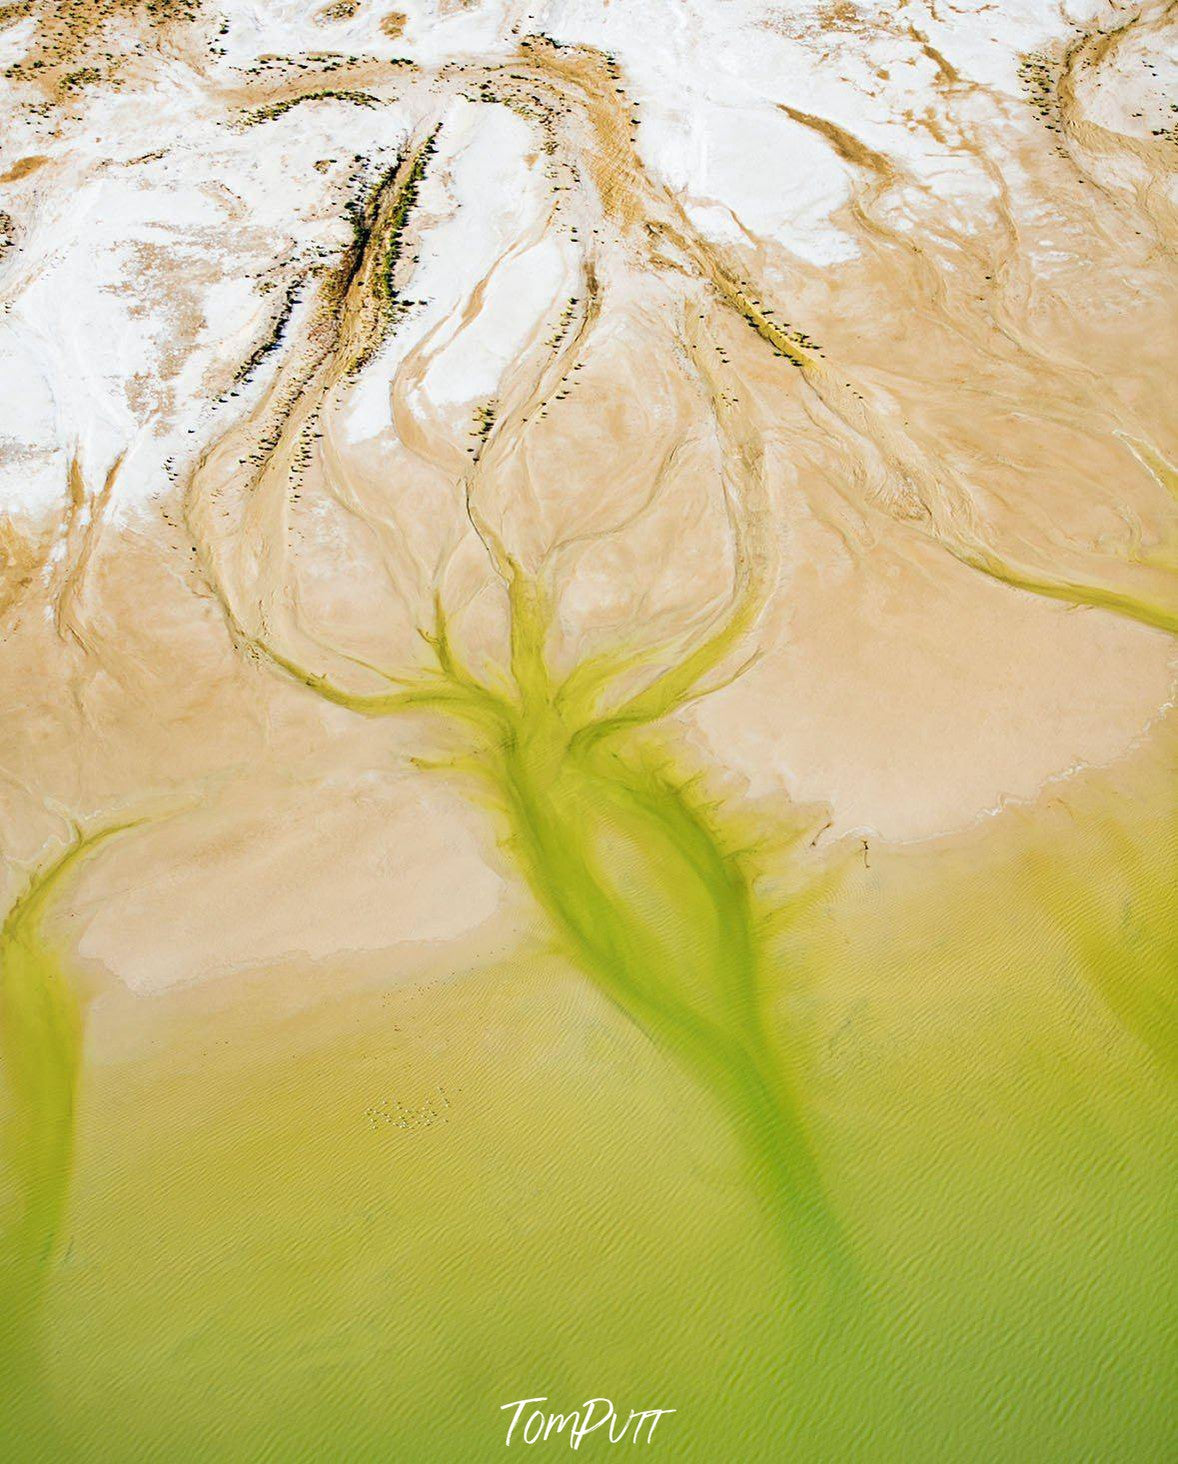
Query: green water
point(863, 1162)
point(41, 1044)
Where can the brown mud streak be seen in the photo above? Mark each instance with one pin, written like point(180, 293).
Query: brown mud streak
point(350, 319)
point(84, 522)
point(1090, 144)
point(574, 93)
point(933, 498)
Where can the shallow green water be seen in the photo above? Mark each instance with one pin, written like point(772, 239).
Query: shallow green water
point(836, 1160)
point(256, 1263)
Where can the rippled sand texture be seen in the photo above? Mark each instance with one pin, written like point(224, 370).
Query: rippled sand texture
point(588, 786)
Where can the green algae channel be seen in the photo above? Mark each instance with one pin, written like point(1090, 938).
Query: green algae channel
point(1161, 615)
point(649, 890)
point(262, 1268)
point(41, 1046)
